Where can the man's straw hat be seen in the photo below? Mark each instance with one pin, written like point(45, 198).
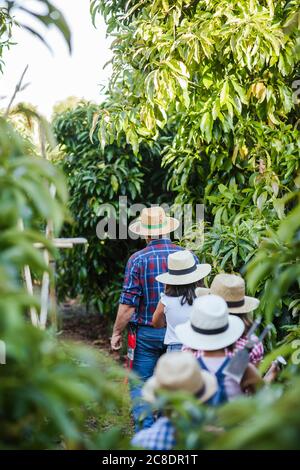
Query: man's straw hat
point(232, 289)
point(180, 371)
point(152, 222)
point(183, 269)
point(210, 326)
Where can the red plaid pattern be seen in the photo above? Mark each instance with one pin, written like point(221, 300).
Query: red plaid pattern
point(140, 288)
point(257, 352)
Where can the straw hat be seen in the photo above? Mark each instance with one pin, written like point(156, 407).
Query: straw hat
point(183, 269)
point(180, 371)
point(210, 326)
point(232, 289)
point(153, 221)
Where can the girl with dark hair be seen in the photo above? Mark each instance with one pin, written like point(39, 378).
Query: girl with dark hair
point(181, 280)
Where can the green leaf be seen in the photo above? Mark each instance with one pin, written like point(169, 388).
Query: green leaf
point(114, 183)
point(224, 93)
point(206, 125)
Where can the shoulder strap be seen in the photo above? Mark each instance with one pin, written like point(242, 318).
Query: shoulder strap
point(202, 363)
point(223, 365)
point(220, 376)
point(221, 368)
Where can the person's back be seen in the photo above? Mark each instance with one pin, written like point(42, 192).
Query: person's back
point(228, 388)
point(212, 330)
point(175, 313)
point(140, 287)
point(181, 279)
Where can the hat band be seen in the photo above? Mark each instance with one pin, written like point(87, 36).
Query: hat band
point(215, 331)
point(237, 303)
point(201, 392)
point(150, 227)
point(181, 272)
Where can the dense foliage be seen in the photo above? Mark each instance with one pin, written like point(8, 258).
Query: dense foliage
point(223, 75)
point(210, 85)
point(276, 267)
point(96, 178)
point(44, 14)
point(49, 389)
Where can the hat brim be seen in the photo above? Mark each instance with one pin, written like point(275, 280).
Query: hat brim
point(211, 385)
point(151, 387)
point(194, 340)
point(251, 303)
point(170, 226)
point(201, 271)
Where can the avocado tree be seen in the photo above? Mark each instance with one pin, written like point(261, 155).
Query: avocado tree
point(97, 179)
point(224, 76)
point(223, 73)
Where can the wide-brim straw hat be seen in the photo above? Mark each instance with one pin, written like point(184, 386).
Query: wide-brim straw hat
point(210, 326)
point(183, 269)
point(232, 289)
point(153, 221)
point(180, 371)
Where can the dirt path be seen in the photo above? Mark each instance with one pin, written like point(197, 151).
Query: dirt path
point(77, 325)
point(89, 328)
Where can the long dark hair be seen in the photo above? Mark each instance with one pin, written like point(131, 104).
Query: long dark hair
point(187, 292)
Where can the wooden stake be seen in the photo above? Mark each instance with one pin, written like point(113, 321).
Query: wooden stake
point(45, 294)
point(48, 289)
point(29, 285)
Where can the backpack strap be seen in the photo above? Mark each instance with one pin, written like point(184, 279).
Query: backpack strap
point(219, 374)
point(202, 363)
point(222, 366)
point(221, 394)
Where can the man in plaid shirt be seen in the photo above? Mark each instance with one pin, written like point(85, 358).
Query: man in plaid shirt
point(139, 298)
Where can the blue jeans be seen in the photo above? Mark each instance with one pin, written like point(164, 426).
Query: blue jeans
point(174, 347)
point(149, 347)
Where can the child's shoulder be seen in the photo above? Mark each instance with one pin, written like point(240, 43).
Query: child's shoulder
point(168, 298)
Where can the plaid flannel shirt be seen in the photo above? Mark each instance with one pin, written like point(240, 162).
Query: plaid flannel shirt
point(140, 289)
point(161, 436)
point(256, 354)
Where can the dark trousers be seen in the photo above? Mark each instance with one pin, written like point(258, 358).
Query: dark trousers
point(149, 347)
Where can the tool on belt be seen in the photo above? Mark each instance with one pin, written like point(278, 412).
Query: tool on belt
point(238, 364)
point(131, 344)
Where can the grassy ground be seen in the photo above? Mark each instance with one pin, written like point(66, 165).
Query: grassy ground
point(122, 418)
point(93, 330)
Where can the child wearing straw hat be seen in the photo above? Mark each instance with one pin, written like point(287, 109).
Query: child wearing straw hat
point(176, 371)
point(232, 289)
point(176, 302)
point(213, 330)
